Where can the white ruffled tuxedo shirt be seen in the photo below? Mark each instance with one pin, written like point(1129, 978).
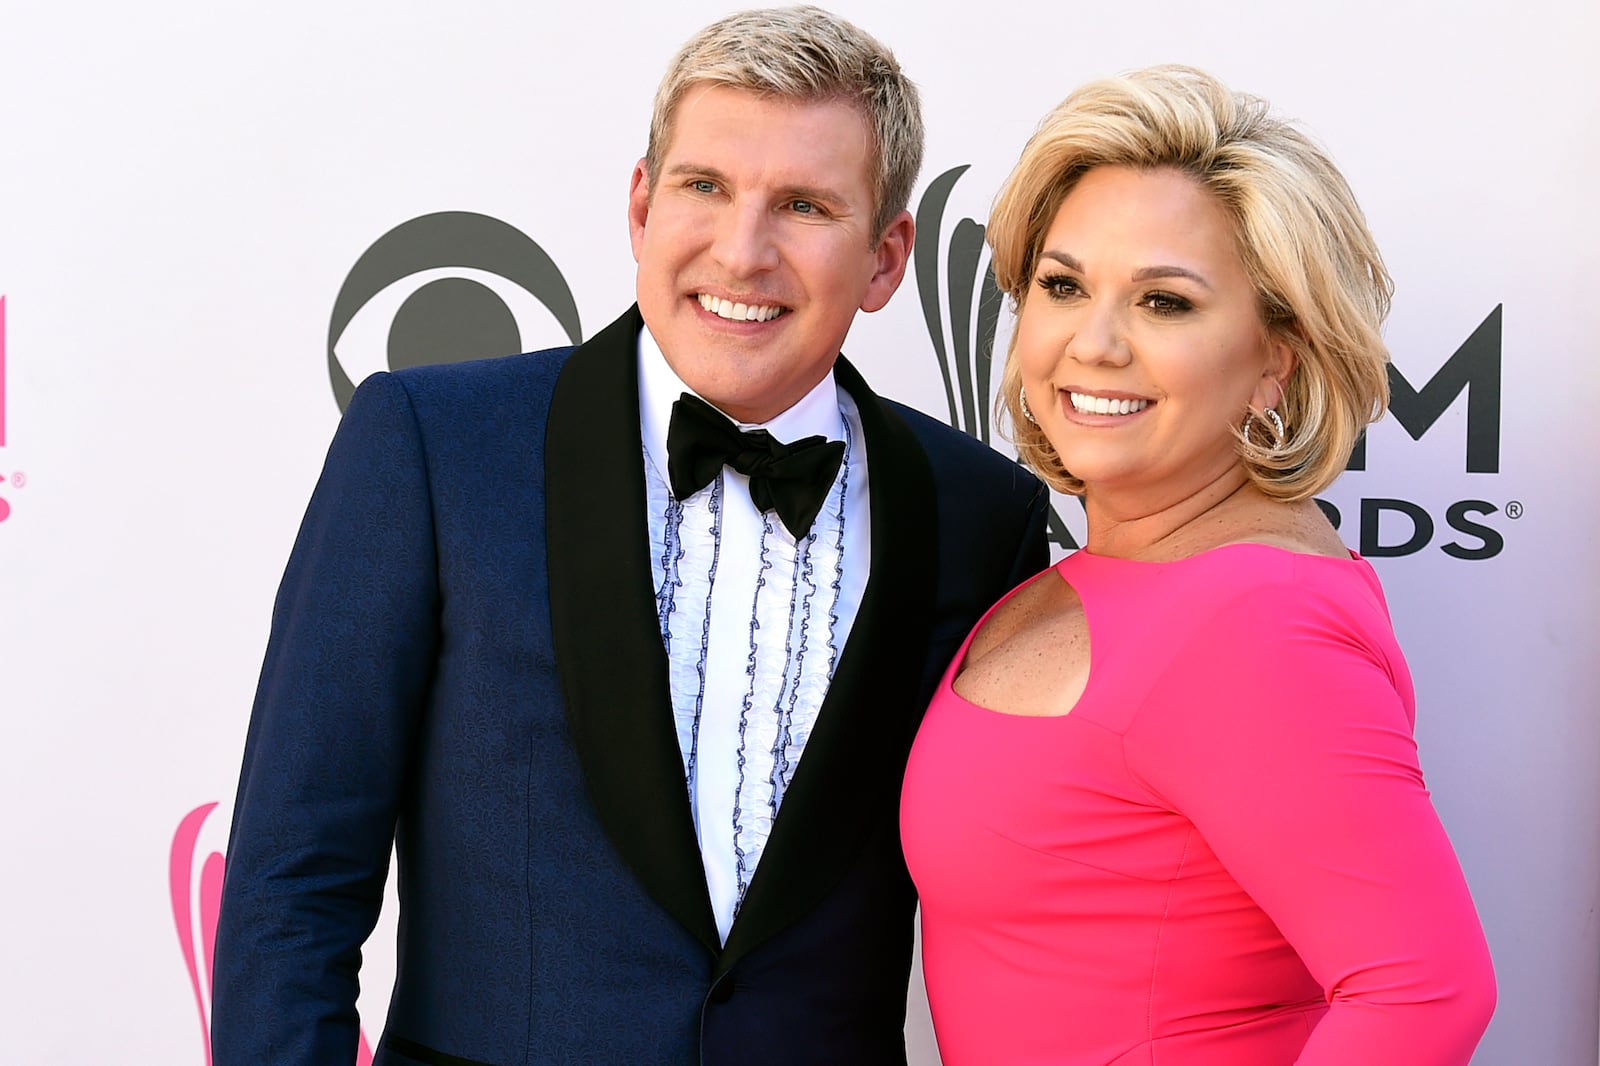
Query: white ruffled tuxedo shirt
point(753, 621)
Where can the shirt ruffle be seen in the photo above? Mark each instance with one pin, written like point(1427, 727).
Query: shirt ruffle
point(797, 597)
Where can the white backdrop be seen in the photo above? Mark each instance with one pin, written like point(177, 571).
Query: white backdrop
point(184, 188)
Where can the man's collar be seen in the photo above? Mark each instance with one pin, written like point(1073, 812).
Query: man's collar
point(816, 413)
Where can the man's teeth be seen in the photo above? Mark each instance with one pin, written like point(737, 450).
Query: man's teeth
point(738, 312)
point(1100, 405)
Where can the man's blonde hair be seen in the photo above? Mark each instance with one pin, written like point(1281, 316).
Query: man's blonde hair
point(1321, 285)
point(805, 55)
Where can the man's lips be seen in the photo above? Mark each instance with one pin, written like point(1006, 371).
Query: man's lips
point(735, 311)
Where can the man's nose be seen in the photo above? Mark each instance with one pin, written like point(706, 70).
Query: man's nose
point(744, 243)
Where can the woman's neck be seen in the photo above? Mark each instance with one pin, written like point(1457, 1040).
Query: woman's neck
point(1133, 526)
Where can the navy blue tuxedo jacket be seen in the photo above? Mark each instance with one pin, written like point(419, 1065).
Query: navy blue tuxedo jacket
point(465, 663)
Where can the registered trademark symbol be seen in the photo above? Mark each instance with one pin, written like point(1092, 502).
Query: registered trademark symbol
point(19, 479)
point(1514, 509)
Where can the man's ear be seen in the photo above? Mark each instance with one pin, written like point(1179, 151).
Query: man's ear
point(893, 252)
point(638, 207)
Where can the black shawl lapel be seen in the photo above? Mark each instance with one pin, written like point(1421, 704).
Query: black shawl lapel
point(849, 776)
point(607, 637)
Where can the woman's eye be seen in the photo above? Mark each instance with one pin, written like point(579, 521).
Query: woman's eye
point(1059, 286)
point(1165, 303)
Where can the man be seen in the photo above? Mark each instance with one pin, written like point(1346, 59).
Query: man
point(631, 691)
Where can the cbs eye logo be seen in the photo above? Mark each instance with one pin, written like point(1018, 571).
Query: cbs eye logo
point(444, 288)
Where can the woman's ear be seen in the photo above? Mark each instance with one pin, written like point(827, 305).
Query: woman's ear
point(1275, 374)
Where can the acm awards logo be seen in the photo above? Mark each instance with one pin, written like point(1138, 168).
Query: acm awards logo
point(961, 306)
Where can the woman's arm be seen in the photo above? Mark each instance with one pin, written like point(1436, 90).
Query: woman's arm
point(1292, 753)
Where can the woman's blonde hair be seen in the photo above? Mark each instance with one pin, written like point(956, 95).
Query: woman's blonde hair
point(1321, 285)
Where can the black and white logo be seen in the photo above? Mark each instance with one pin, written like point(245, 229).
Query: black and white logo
point(443, 288)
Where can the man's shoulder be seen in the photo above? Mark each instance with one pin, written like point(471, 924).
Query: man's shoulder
point(926, 427)
point(954, 453)
point(526, 370)
point(476, 388)
point(530, 376)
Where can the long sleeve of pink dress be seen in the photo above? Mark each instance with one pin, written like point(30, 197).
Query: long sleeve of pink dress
point(1225, 855)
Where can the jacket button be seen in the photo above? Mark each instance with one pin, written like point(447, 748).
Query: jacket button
point(722, 991)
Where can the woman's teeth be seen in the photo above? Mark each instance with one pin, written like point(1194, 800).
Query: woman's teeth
point(1100, 405)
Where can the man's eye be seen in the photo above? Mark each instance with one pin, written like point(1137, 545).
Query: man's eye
point(702, 185)
point(804, 207)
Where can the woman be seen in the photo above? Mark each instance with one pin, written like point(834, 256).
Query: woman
point(1166, 807)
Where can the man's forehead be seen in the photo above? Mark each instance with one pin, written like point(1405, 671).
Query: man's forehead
point(689, 110)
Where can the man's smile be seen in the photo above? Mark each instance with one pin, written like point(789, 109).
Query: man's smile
point(739, 312)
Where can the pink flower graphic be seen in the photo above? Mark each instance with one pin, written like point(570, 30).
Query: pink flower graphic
point(203, 894)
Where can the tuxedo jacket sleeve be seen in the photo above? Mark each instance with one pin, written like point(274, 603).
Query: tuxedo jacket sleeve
point(355, 641)
point(464, 667)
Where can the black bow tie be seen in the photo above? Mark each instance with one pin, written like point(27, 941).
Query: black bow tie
point(792, 479)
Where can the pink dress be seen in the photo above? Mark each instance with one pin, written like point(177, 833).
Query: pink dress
point(1225, 855)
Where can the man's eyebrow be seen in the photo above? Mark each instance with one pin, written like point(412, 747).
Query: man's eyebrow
point(819, 193)
point(813, 192)
point(697, 170)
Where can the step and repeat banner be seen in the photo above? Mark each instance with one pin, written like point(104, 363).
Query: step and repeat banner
point(215, 219)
